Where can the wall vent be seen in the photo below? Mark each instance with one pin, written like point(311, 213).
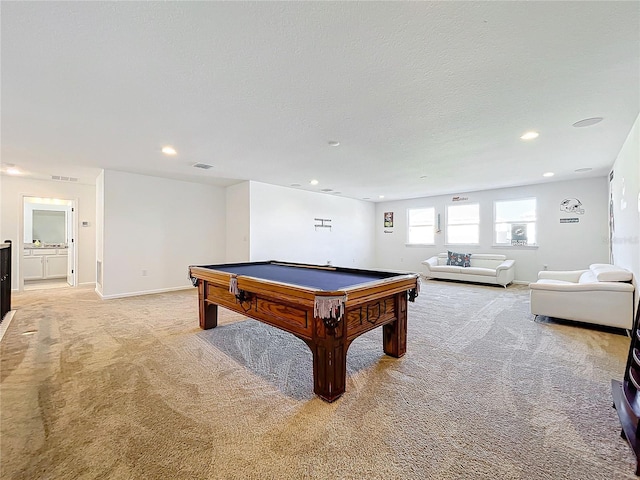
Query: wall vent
point(63, 179)
point(203, 166)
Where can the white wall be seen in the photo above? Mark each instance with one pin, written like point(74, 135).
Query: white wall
point(625, 191)
point(283, 227)
point(154, 228)
point(238, 222)
point(12, 191)
point(561, 246)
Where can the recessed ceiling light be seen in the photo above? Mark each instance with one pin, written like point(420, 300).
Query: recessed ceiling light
point(333, 143)
point(529, 135)
point(587, 122)
point(314, 182)
point(380, 196)
point(586, 169)
point(169, 150)
point(13, 171)
point(548, 174)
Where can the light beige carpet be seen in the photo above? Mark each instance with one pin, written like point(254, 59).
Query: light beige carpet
point(133, 389)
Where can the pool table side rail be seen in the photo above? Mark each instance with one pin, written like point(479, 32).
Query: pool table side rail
point(356, 294)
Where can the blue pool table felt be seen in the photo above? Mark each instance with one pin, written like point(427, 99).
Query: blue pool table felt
point(319, 279)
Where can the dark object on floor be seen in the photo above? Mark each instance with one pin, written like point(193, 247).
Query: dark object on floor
point(626, 394)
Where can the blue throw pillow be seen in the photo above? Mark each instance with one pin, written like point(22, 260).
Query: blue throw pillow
point(458, 259)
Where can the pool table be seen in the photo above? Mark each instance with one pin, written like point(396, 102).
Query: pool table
point(327, 307)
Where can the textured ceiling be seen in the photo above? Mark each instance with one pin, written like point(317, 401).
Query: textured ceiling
point(425, 98)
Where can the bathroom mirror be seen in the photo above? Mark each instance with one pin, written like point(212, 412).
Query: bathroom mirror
point(49, 226)
point(46, 220)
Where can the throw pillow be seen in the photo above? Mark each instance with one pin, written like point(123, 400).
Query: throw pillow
point(458, 259)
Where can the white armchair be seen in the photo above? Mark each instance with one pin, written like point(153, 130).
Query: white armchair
point(602, 294)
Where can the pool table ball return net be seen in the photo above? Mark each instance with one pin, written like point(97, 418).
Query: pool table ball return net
point(327, 307)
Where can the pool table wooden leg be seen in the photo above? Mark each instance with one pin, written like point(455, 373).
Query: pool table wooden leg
point(329, 362)
point(208, 311)
point(394, 334)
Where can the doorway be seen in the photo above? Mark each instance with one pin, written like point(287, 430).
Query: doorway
point(48, 250)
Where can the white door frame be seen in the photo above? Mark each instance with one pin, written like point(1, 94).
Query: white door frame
point(73, 250)
point(70, 227)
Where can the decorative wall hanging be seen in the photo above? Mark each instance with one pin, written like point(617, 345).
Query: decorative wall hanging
point(322, 223)
point(611, 222)
point(519, 234)
point(572, 205)
point(388, 219)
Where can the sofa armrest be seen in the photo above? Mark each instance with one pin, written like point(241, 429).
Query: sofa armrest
point(583, 287)
point(506, 265)
point(431, 262)
point(505, 272)
point(565, 275)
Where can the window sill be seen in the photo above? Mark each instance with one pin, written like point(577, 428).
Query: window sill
point(506, 245)
point(419, 244)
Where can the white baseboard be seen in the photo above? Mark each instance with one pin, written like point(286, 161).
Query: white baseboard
point(145, 292)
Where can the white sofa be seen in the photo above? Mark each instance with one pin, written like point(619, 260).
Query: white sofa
point(601, 294)
point(485, 268)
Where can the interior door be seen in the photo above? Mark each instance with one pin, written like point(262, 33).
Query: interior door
point(71, 246)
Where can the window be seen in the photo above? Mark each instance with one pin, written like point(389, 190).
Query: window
point(463, 224)
point(421, 223)
point(515, 222)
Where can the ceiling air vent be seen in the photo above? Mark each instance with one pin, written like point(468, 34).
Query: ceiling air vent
point(63, 179)
point(203, 166)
